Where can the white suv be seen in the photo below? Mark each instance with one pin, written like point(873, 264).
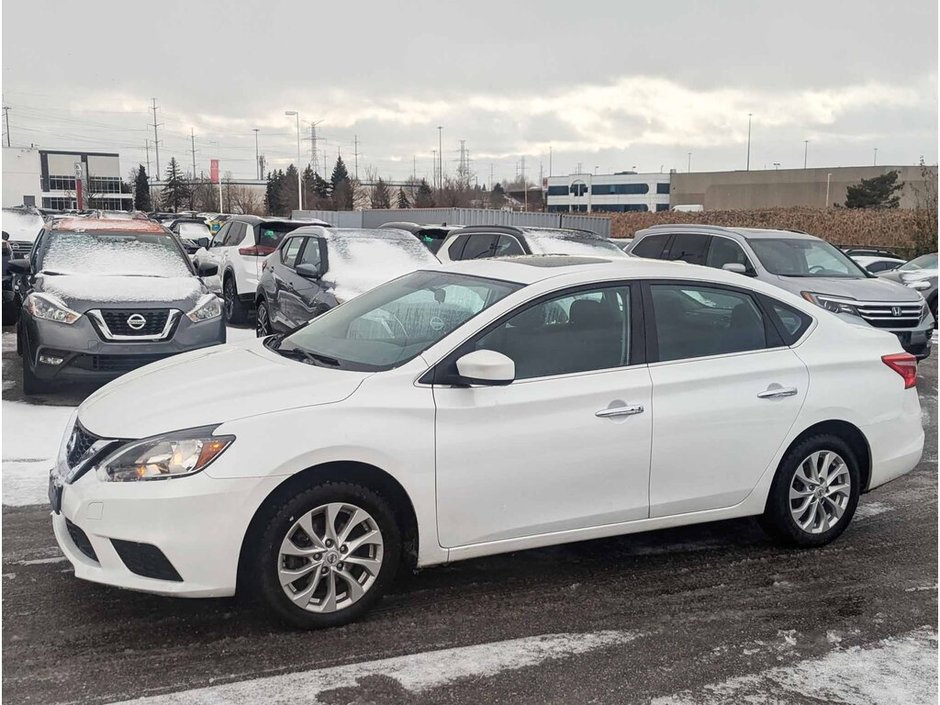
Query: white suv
point(238, 249)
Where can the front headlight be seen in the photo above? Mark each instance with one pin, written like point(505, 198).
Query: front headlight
point(50, 308)
point(207, 307)
point(177, 454)
point(832, 303)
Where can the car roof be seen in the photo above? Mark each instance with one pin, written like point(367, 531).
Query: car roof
point(109, 225)
point(256, 220)
point(747, 233)
point(340, 233)
point(526, 230)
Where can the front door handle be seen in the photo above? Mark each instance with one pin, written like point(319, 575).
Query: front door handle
point(619, 411)
point(775, 391)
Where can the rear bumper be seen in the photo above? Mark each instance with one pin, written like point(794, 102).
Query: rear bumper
point(896, 444)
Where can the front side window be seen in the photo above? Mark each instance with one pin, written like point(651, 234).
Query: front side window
point(290, 250)
point(507, 246)
point(311, 253)
point(787, 257)
point(394, 322)
point(724, 251)
point(689, 247)
point(697, 321)
point(651, 246)
point(579, 332)
point(235, 234)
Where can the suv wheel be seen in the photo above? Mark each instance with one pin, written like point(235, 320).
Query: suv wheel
point(235, 310)
point(263, 320)
point(814, 494)
point(327, 555)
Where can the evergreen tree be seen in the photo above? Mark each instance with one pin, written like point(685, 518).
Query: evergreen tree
point(425, 197)
point(339, 173)
point(289, 189)
point(497, 196)
point(342, 188)
point(272, 197)
point(176, 190)
point(321, 186)
point(380, 197)
point(403, 201)
point(876, 192)
point(142, 199)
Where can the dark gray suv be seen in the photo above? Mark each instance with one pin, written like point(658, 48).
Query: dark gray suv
point(102, 297)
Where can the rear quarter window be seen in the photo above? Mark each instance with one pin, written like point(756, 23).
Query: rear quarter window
point(650, 247)
point(790, 323)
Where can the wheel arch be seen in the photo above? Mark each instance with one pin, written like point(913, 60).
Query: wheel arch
point(848, 432)
point(340, 471)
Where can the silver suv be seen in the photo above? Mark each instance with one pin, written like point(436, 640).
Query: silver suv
point(802, 264)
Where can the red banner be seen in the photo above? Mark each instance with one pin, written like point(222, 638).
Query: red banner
point(214, 170)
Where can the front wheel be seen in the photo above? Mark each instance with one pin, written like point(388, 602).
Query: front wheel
point(814, 494)
point(263, 320)
point(327, 555)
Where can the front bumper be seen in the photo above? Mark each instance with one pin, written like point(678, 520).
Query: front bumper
point(196, 523)
point(86, 357)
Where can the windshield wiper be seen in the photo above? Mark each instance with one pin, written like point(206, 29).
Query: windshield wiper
point(302, 355)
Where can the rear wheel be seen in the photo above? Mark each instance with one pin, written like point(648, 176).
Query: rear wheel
point(327, 555)
point(235, 310)
point(814, 494)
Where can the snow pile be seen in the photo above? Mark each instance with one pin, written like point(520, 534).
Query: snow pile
point(562, 243)
point(31, 438)
point(360, 260)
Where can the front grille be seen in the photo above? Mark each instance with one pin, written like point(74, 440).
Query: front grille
point(146, 559)
point(114, 363)
point(20, 248)
point(890, 315)
point(79, 444)
point(80, 539)
point(154, 320)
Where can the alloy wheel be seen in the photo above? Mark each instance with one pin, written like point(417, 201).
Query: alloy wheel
point(228, 298)
point(330, 557)
point(820, 491)
point(262, 325)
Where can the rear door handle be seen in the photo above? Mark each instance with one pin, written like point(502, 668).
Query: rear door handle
point(775, 391)
point(619, 411)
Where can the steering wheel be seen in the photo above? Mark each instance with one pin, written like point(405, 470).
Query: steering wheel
point(816, 269)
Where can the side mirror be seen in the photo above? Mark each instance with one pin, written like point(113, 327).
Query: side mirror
point(6, 235)
point(486, 367)
point(207, 269)
point(19, 266)
point(308, 271)
point(202, 242)
point(735, 267)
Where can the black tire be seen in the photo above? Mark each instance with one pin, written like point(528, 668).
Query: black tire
point(777, 519)
point(235, 311)
point(263, 319)
point(932, 305)
point(265, 559)
point(10, 313)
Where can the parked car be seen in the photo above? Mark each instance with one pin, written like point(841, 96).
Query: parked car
point(802, 264)
point(101, 297)
point(317, 268)
point(193, 234)
point(870, 252)
point(919, 274)
point(432, 236)
point(451, 413)
point(22, 225)
point(215, 223)
point(238, 249)
point(624, 243)
point(485, 241)
point(874, 264)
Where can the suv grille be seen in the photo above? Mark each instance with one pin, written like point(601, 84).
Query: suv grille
point(20, 248)
point(889, 315)
point(153, 320)
point(79, 444)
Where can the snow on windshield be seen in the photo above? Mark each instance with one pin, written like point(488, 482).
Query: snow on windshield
point(113, 254)
point(21, 226)
point(121, 289)
point(562, 243)
point(359, 261)
point(194, 230)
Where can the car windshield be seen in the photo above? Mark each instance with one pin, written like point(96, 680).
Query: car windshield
point(804, 258)
point(393, 323)
point(922, 262)
point(567, 243)
point(111, 253)
point(359, 260)
point(23, 227)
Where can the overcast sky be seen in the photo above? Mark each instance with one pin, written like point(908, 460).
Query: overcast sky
point(612, 85)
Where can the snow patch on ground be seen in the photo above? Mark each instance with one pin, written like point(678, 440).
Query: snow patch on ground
point(897, 671)
point(870, 509)
point(415, 673)
point(31, 437)
point(239, 335)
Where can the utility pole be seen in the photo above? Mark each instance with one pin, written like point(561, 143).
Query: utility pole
point(690, 162)
point(192, 138)
point(748, 168)
point(356, 156)
point(6, 122)
point(491, 176)
point(147, 149)
point(875, 161)
point(434, 168)
point(549, 161)
point(257, 158)
point(525, 190)
point(440, 155)
point(805, 152)
point(156, 142)
point(314, 158)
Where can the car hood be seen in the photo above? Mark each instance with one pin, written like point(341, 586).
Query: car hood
point(908, 275)
point(210, 386)
point(873, 289)
point(82, 292)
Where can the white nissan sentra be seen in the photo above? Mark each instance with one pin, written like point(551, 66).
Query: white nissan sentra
point(479, 408)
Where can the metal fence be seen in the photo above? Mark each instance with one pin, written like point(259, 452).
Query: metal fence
point(458, 216)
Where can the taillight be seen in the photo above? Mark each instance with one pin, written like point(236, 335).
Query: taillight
point(256, 251)
point(905, 365)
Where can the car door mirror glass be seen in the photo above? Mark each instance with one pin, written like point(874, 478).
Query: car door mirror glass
point(486, 367)
point(202, 242)
point(308, 271)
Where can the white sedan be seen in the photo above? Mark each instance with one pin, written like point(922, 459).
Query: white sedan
point(876, 264)
point(474, 409)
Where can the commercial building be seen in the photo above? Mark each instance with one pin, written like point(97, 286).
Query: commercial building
point(46, 178)
point(607, 193)
point(812, 188)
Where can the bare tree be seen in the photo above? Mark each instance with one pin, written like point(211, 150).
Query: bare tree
point(924, 232)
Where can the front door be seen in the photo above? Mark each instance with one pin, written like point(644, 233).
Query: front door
point(567, 444)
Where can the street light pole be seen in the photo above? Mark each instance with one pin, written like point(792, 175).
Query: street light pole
point(440, 156)
point(690, 162)
point(805, 152)
point(257, 159)
point(875, 161)
point(748, 168)
point(300, 191)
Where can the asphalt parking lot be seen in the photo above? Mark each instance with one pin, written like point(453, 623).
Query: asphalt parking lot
point(706, 614)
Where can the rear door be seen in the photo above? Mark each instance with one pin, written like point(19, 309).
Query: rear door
point(726, 390)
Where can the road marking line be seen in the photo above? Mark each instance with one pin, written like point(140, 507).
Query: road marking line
point(415, 673)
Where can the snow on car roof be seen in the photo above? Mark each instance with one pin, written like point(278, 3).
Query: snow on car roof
point(114, 225)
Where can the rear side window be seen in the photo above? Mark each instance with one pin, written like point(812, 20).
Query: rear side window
point(689, 247)
point(650, 246)
point(507, 246)
point(290, 250)
point(791, 323)
point(235, 234)
point(479, 247)
point(455, 249)
point(692, 321)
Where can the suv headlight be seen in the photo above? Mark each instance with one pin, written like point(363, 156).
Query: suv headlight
point(207, 307)
point(176, 454)
point(50, 308)
point(832, 303)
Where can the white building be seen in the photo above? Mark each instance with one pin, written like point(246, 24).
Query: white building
point(607, 193)
point(46, 178)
